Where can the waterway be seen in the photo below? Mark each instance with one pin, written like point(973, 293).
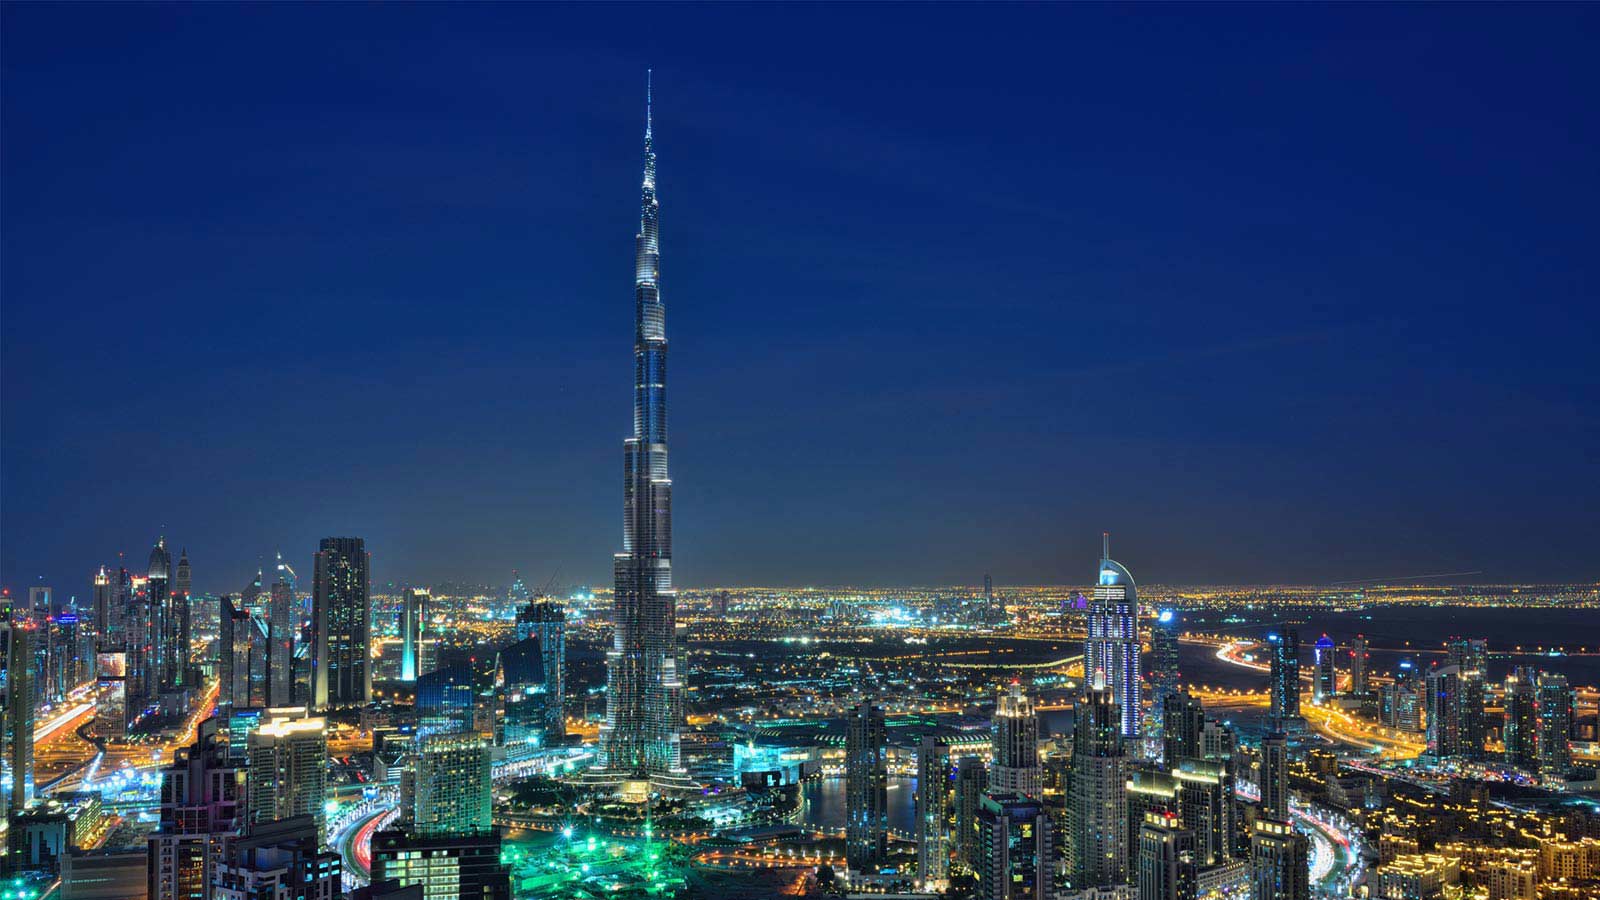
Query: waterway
point(823, 804)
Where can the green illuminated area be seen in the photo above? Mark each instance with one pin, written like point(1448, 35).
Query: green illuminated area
point(575, 865)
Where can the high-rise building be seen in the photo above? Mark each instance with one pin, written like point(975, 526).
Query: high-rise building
point(288, 763)
point(1150, 790)
point(1166, 867)
point(202, 805)
point(1097, 797)
point(1183, 719)
point(105, 608)
point(1017, 859)
point(182, 582)
point(1446, 713)
point(163, 618)
point(1274, 785)
point(546, 623)
point(281, 859)
point(644, 667)
point(446, 700)
point(1164, 675)
point(341, 667)
point(1284, 691)
point(972, 780)
point(866, 827)
point(1358, 665)
point(523, 720)
point(16, 719)
point(234, 652)
point(452, 788)
point(1553, 700)
point(447, 866)
point(1280, 859)
point(1521, 733)
point(1471, 657)
point(1206, 805)
point(1112, 646)
point(1401, 699)
point(413, 619)
point(1324, 683)
point(1015, 768)
point(934, 801)
point(280, 640)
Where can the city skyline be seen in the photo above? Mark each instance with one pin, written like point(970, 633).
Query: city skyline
point(1297, 374)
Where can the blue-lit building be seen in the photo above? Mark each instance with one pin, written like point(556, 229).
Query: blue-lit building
point(1324, 683)
point(546, 625)
point(445, 699)
point(1112, 646)
point(1284, 691)
point(523, 720)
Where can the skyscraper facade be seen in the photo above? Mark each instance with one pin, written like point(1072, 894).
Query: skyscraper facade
point(1324, 684)
point(202, 804)
point(281, 621)
point(1280, 859)
point(1358, 665)
point(972, 779)
point(1521, 733)
point(16, 708)
point(341, 666)
point(1164, 675)
point(1284, 691)
point(1112, 645)
point(1015, 769)
point(412, 622)
point(866, 827)
point(644, 702)
point(1275, 775)
point(1183, 720)
point(1097, 797)
point(1166, 863)
point(1017, 856)
point(452, 785)
point(1553, 697)
point(934, 800)
point(1446, 713)
point(546, 623)
point(288, 763)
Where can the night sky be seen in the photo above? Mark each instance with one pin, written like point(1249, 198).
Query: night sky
point(1273, 293)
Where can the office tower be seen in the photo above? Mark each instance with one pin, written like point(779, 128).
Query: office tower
point(866, 750)
point(277, 860)
point(41, 602)
point(719, 605)
point(202, 804)
point(546, 623)
point(1183, 718)
point(1358, 665)
point(1112, 646)
point(1150, 790)
point(182, 581)
point(452, 785)
point(1284, 711)
point(341, 667)
point(1206, 805)
point(1097, 797)
point(1164, 676)
point(447, 866)
point(233, 658)
point(1471, 657)
point(163, 617)
point(644, 702)
point(1280, 859)
point(1015, 769)
point(1521, 734)
point(933, 813)
point(105, 606)
point(412, 623)
point(286, 574)
point(445, 700)
point(1274, 785)
point(16, 719)
point(1401, 699)
point(1017, 859)
point(972, 780)
point(1445, 712)
point(523, 721)
point(280, 641)
point(1324, 682)
point(1166, 867)
point(288, 764)
point(1553, 699)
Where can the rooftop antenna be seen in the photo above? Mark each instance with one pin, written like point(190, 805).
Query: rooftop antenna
point(649, 98)
point(1105, 545)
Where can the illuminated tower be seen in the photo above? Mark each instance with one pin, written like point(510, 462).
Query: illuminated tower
point(280, 637)
point(644, 703)
point(1358, 665)
point(934, 801)
point(1016, 746)
point(164, 617)
point(411, 625)
point(1163, 672)
point(866, 824)
point(1324, 684)
point(182, 581)
point(1554, 724)
point(1284, 691)
point(1097, 795)
point(546, 623)
point(1521, 734)
point(1274, 785)
point(341, 668)
point(16, 708)
point(288, 763)
point(1112, 646)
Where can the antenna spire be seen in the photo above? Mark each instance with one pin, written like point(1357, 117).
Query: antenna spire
point(649, 99)
point(1105, 545)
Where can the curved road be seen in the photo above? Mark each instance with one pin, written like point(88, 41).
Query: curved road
point(355, 843)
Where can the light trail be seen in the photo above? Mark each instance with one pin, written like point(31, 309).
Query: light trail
point(44, 732)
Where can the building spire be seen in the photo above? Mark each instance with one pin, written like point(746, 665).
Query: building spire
point(1105, 545)
point(649, 99)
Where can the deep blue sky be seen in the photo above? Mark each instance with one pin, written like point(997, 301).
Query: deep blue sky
point(1272, 292)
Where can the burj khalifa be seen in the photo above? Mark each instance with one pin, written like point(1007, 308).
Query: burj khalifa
point(644, 667)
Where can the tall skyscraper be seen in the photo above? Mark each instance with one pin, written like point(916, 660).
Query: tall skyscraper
point(1553, 698)
point(1017, 856)
point(168, 647)
point(341, 667)
point(234, 646)
point(1274, 785)
point(1358, 665)
point(1521, 733)
point(644, 690)
point(1324, 683)
point(280, 638)
point(279, 859)
point(546, 623)
point(1446, 713)
point(448, 867)
point(1471, 657)
point(866, 827)
point(1015, 769)
point(1206, 806)
point(1284, 691)
point(202, 805)
point(16, 718)
point(105, 606)
point(412, 623)
point(934, 799)
point(1097, 797)
point(972, 779)
point(1183, 720)
point(1164, 675)
point(1166, 867)
point(1112, 646)
point(288, 765)
point(452, 788)
point(1280, 858)
point(182, 581)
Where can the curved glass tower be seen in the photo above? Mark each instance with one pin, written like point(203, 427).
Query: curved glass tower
point(1112, 648)
point(644, 702)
